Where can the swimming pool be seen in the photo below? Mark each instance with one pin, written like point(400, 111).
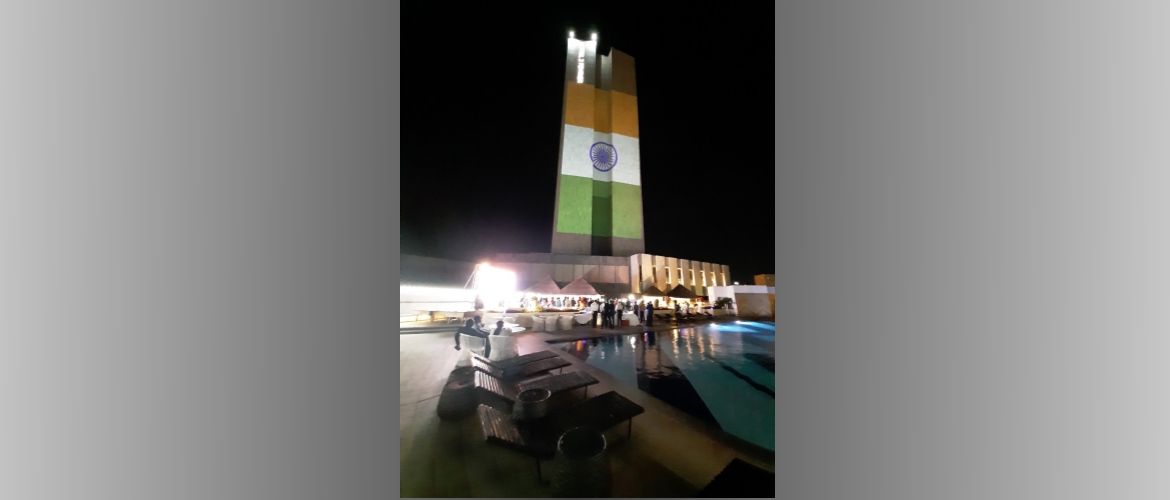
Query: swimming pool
point(723, 374)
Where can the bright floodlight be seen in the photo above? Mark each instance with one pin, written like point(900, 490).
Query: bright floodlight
point(570, 34)
point(495, 280)
point(595, 36)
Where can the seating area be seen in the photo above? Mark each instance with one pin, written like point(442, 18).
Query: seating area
point(555, 384)
point(520, 371)
point(537, 438)
point(455, 456)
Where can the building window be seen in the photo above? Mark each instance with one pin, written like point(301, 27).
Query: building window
point(680, 276)
point(704, 279)
point(581, 64)
point(723, 277)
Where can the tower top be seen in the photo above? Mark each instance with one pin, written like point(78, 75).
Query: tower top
point(573, 36)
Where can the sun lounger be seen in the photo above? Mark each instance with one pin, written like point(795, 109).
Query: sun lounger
point(514, 373)
point(556, 384)
point(538, 439)
point(519, 360)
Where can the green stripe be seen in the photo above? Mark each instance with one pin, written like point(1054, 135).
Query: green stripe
point(602, 209)
point(599, 208)
point(627, 210)
point(575, 205)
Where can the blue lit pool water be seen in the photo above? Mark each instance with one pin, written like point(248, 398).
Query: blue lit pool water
point(723, 374)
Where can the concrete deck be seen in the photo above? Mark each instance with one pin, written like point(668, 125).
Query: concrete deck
point(671, 454)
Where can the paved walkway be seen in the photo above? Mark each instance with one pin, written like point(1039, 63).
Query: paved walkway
point(671, 454)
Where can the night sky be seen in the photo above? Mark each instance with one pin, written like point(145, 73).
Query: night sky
point(482, 92)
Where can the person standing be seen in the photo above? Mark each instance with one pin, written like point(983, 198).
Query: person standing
point(595, 308)
point(620, 309)
point(649, 312)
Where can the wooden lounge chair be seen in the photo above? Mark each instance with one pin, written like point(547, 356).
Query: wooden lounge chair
point(556, 384)
point(519, 360)
point(514, 373)
point(538, 439)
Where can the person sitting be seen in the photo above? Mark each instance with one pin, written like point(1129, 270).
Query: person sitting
point(499, 327)
point(479, 324)
point(469, 329)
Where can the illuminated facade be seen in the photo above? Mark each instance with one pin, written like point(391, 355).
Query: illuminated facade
point(665, 273)
point(599, 186)
point(615, 276)
point(597, 223)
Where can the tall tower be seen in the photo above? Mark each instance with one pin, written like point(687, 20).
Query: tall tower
point(599, 189)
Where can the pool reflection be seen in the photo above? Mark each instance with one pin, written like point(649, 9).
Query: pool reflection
point(725, 377)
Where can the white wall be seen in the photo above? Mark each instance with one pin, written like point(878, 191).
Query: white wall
point(716, 292)
point(435, 299)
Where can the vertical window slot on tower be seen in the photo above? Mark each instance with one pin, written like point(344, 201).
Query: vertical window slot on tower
point(581, 64)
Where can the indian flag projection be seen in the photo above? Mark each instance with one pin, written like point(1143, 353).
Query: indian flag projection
point(599, 189)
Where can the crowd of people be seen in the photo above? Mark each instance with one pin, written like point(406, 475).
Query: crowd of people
point(609, 312)
point(554, 302)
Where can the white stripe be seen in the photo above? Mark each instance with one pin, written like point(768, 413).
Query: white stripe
point(629, 167)
point(575, 156)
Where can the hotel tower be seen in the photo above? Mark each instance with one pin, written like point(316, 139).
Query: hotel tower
point(599, 186)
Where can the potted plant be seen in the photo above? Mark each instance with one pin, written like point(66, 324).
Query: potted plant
point(724, 303)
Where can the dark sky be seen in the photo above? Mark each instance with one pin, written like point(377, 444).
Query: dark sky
point(482, 91)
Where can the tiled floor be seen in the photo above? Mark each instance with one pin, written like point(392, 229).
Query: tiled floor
point(670, 453)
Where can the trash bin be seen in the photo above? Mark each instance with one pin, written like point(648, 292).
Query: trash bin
point(531, 404)
point(581, 465)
